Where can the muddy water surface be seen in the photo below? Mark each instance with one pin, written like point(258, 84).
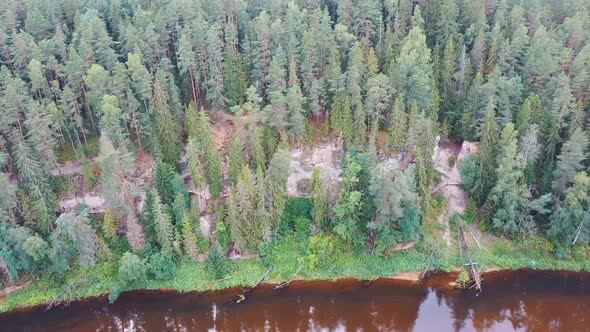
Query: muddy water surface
point(521, 301)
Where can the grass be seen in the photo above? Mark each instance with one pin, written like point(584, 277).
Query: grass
point(534, 253)
point(66, 151)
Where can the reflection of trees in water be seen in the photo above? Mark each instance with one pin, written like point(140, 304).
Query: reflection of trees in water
point(348, 311)
point(524, 300)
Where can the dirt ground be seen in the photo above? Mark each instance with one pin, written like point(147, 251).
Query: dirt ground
point(451, 180)
point(327, 157)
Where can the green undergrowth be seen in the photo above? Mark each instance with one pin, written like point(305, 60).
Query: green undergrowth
point(287, 257)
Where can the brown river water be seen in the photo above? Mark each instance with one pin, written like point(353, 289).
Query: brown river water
point(510, 301)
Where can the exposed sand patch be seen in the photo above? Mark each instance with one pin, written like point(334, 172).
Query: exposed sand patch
point(456, 197)
point(303, 160)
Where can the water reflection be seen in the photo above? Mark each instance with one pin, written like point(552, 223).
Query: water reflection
point(523, 301)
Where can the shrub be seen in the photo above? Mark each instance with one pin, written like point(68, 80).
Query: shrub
point(303, 227)
point(469, 168)
point(470, 214)
point(217, 263)
point(162, 266)
point(451, 161)
point(463, 279)
point(320, 252)
point(132, 268)
point(36, 247)
point(295, 208)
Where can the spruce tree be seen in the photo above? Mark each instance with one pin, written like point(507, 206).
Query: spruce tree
point(509, 195)
point(399, 124)
point(569, 162)
point(211, 159)
point(486, 175)
point(189, 237)
point(570, 223)
point(162, 225)
point(295, 101)
point(319, 199)
point(277, 108)
point(275, 182)
point(235, 159)
point(166, 126)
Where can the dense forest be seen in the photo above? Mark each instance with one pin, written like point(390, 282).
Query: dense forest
point(180, 117)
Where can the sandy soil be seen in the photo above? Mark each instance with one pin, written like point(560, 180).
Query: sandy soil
point(325, 156)
point(451, 180)
point(409, 276)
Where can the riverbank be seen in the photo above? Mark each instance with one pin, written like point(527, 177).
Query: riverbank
point(513, 300)
point(101, 279)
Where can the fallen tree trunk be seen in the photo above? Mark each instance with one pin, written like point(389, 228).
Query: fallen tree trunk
point(242, 297)
point(286, 283)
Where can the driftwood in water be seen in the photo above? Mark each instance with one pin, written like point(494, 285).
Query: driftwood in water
point(286, 283)
point(242, 297)
point(370, 282)
point(59, 298)
point(475, 273)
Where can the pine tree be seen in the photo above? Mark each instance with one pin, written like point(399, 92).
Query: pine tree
point(413, 76)
point(42, 134)
point(541, 59)
point(215, 84)
point(377, 101)
point(319, 199)
point(116, 167)
point(141, 79)
point(133, 117)
point(260, 52)
point(111, 122)
point(188, 61)
point(97, 80)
